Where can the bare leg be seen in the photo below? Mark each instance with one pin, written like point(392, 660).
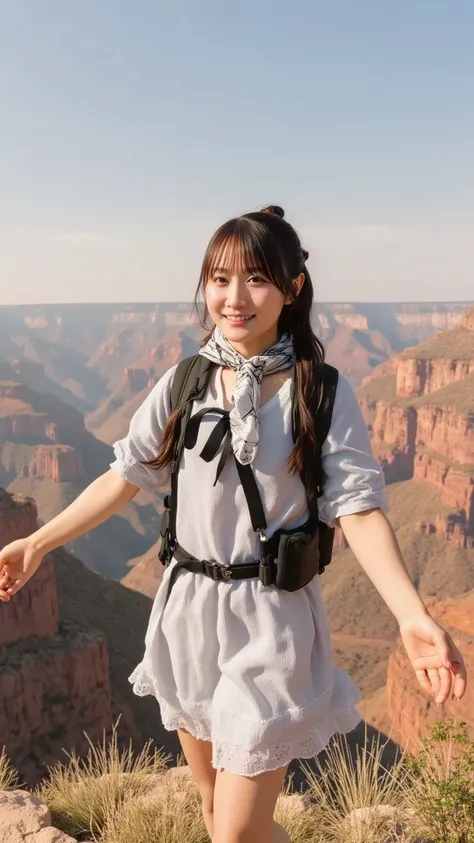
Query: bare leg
point(198, 754)
point(244, 807)
point(279, 835)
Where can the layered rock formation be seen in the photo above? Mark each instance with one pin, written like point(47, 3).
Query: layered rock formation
point(47, 453)
point(421, 416)
point(36, 432)
point(146, 572)
point(110, 421)
point(68, 642)
point(54, 680)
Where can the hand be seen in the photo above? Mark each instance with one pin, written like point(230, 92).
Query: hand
point(18, 562)
point(437, 662)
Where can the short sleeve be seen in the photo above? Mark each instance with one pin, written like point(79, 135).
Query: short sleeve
point(144, 438)
point(354, 481)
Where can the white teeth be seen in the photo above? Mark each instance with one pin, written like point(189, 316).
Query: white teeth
point(238, 318)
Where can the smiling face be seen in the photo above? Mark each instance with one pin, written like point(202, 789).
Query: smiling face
point(246, 307)
point(243, 297)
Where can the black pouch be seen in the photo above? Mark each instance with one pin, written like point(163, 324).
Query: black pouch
point(326, 543)
point(297, 561)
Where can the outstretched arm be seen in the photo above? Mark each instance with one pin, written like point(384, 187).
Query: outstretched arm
point(98, 502)
point(436, 660)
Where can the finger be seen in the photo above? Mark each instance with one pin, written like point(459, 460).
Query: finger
point(5, 579)
point(4, 596)
point(445, 681)
point(434, 678)
point(460, 677)
point(9, 575)
point(444, 647)
point(14, 587)
point(432, 662)
point(425, 683)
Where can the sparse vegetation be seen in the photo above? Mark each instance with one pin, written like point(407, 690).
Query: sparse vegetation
point(456, 344)
point(441, 785)
point(170, 814)
point(114, 796)
point(9, 779)
point(361, 802)
point(84, 793)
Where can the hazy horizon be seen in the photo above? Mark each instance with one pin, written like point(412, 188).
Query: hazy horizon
point(173, 302)
point(130, 133)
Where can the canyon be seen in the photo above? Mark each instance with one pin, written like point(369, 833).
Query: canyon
point(70, 380)
point(58, 671)
point(64, 660)
point(420, 412)
point(47, 453)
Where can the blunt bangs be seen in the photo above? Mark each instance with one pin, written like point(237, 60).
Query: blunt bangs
point(246, 246)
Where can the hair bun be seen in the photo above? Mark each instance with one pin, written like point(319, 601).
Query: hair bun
point(273, 209)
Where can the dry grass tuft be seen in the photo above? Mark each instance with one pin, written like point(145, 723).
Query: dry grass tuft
point(359, 802)
point(83, 794)
point(171, 814)
point(9, 779)
point(297, 816)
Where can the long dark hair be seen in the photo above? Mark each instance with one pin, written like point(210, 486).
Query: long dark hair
point(266, 242)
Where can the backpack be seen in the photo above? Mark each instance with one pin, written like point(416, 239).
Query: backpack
point(190, 383)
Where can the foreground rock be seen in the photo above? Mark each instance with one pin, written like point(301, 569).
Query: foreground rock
point(23, 817)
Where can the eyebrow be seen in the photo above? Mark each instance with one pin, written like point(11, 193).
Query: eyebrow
point(247, 269)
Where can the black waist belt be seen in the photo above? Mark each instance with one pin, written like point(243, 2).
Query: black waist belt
point(263, 569)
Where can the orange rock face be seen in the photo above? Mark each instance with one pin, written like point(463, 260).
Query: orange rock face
point(30, 439)
point(420, 412)
point(61, 463)
point(446, 430)
point(420, 377)
point(409, 708)
point(54, 680)
point(427, 412)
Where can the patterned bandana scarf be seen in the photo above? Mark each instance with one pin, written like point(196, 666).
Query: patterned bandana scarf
point(244, 416)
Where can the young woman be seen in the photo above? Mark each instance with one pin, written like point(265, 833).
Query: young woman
point(243, 670)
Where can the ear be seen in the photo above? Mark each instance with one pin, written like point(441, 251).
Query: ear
point(297, 285)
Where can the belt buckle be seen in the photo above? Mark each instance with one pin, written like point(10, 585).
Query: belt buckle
point(227, 573)
point(207, 568)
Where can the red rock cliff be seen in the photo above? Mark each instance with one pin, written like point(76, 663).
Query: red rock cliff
point(420, 412)
point(54, 681)
point(32, 428)
point(409, 709)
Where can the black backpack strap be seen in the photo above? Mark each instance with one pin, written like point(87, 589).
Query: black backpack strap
point(322, 412)
point(190, 382)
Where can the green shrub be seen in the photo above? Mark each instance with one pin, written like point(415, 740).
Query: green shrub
point(442, 779)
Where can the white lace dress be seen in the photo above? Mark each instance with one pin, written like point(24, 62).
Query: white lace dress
point(245, 666)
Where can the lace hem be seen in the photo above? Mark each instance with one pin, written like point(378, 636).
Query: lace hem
point(307, 741)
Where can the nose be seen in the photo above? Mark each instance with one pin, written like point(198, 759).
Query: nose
point(236, 294)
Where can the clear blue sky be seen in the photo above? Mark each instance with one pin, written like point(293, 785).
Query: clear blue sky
point(130, 130)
